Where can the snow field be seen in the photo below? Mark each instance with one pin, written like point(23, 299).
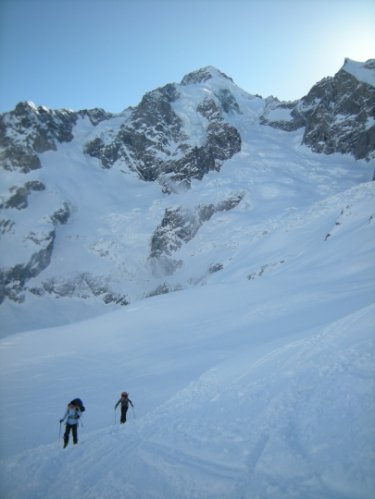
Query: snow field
point(250, 388)
point(253, 382)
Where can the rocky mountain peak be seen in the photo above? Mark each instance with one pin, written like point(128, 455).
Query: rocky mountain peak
point(70, 177)
point(155, 139)
point(337, 114)
point(204, 74)
point(28, 131)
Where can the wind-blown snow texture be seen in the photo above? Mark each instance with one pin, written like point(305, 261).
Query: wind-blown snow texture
point(254, 380)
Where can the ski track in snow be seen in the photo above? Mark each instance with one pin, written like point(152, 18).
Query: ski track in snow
point(284, 426)
point(268, 418)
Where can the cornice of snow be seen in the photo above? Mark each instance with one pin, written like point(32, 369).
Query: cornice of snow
point(362, 71)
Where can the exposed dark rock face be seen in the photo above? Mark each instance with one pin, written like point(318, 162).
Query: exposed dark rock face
point(95, 116)
point(338, 115)
point(83, 285)
point(19, 195)
point(28, 130)
point(337, 112)
point(180, 225)
point(152, 126)
point(6, 226)
point(33, 130)
point(227, 101)
point(13, 280)
point(202, 75)
point(177, 134)
point(61, 216)
point(163, 289)
point(153, 141)
point(294, 120)
point(215, 268)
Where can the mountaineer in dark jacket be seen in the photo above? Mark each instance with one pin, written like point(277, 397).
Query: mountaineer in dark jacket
point(124, 401)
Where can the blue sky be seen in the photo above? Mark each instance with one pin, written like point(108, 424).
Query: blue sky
point(107, 53)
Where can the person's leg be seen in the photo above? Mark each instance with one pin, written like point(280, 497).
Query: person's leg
point(66, 434)
point(123, 414)
point(75, 433)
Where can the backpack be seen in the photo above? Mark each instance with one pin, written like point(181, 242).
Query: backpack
point(78, 403)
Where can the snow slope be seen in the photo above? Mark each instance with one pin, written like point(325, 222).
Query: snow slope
point(80, 235)
point(258, 385)
point(114, 215)
point(362, 72)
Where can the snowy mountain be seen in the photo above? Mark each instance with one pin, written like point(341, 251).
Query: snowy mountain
point(102, 210)
point(258, 387)
point(337, 114)
point(210, 251)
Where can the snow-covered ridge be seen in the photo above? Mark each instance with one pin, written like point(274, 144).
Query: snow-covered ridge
point(363, 71)
point(146, 200)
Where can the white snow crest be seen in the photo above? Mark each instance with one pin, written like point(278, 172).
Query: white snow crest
point(363, 71)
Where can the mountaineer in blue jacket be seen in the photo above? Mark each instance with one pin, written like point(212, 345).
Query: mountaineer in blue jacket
point(71, 416)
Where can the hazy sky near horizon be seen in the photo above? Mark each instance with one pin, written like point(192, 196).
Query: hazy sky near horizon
point(81, 54)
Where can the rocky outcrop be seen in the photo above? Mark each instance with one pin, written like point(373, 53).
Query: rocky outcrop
point(178, 133)
point(62, 215)
point(154, 143)
point(179, 226)
point(28, 131)
point(149, 131)
point(338, 115)
point(82, 285)
point(282, 115)
point(19, 195)
point(202, 75)
point(14, 279)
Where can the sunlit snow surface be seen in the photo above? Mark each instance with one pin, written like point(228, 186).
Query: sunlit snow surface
point(253, 382)
point(256, 387)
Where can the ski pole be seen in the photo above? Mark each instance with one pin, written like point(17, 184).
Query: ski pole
point(115, 416)
point(135, 417)
point(59, 434)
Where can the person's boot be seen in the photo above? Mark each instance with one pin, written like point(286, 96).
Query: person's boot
point(65, 444)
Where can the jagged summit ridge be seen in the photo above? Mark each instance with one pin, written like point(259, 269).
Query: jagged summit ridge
point(204, 74)
point(337, 114)
point(31, 130)
point(156, 138)
point(111, 208)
